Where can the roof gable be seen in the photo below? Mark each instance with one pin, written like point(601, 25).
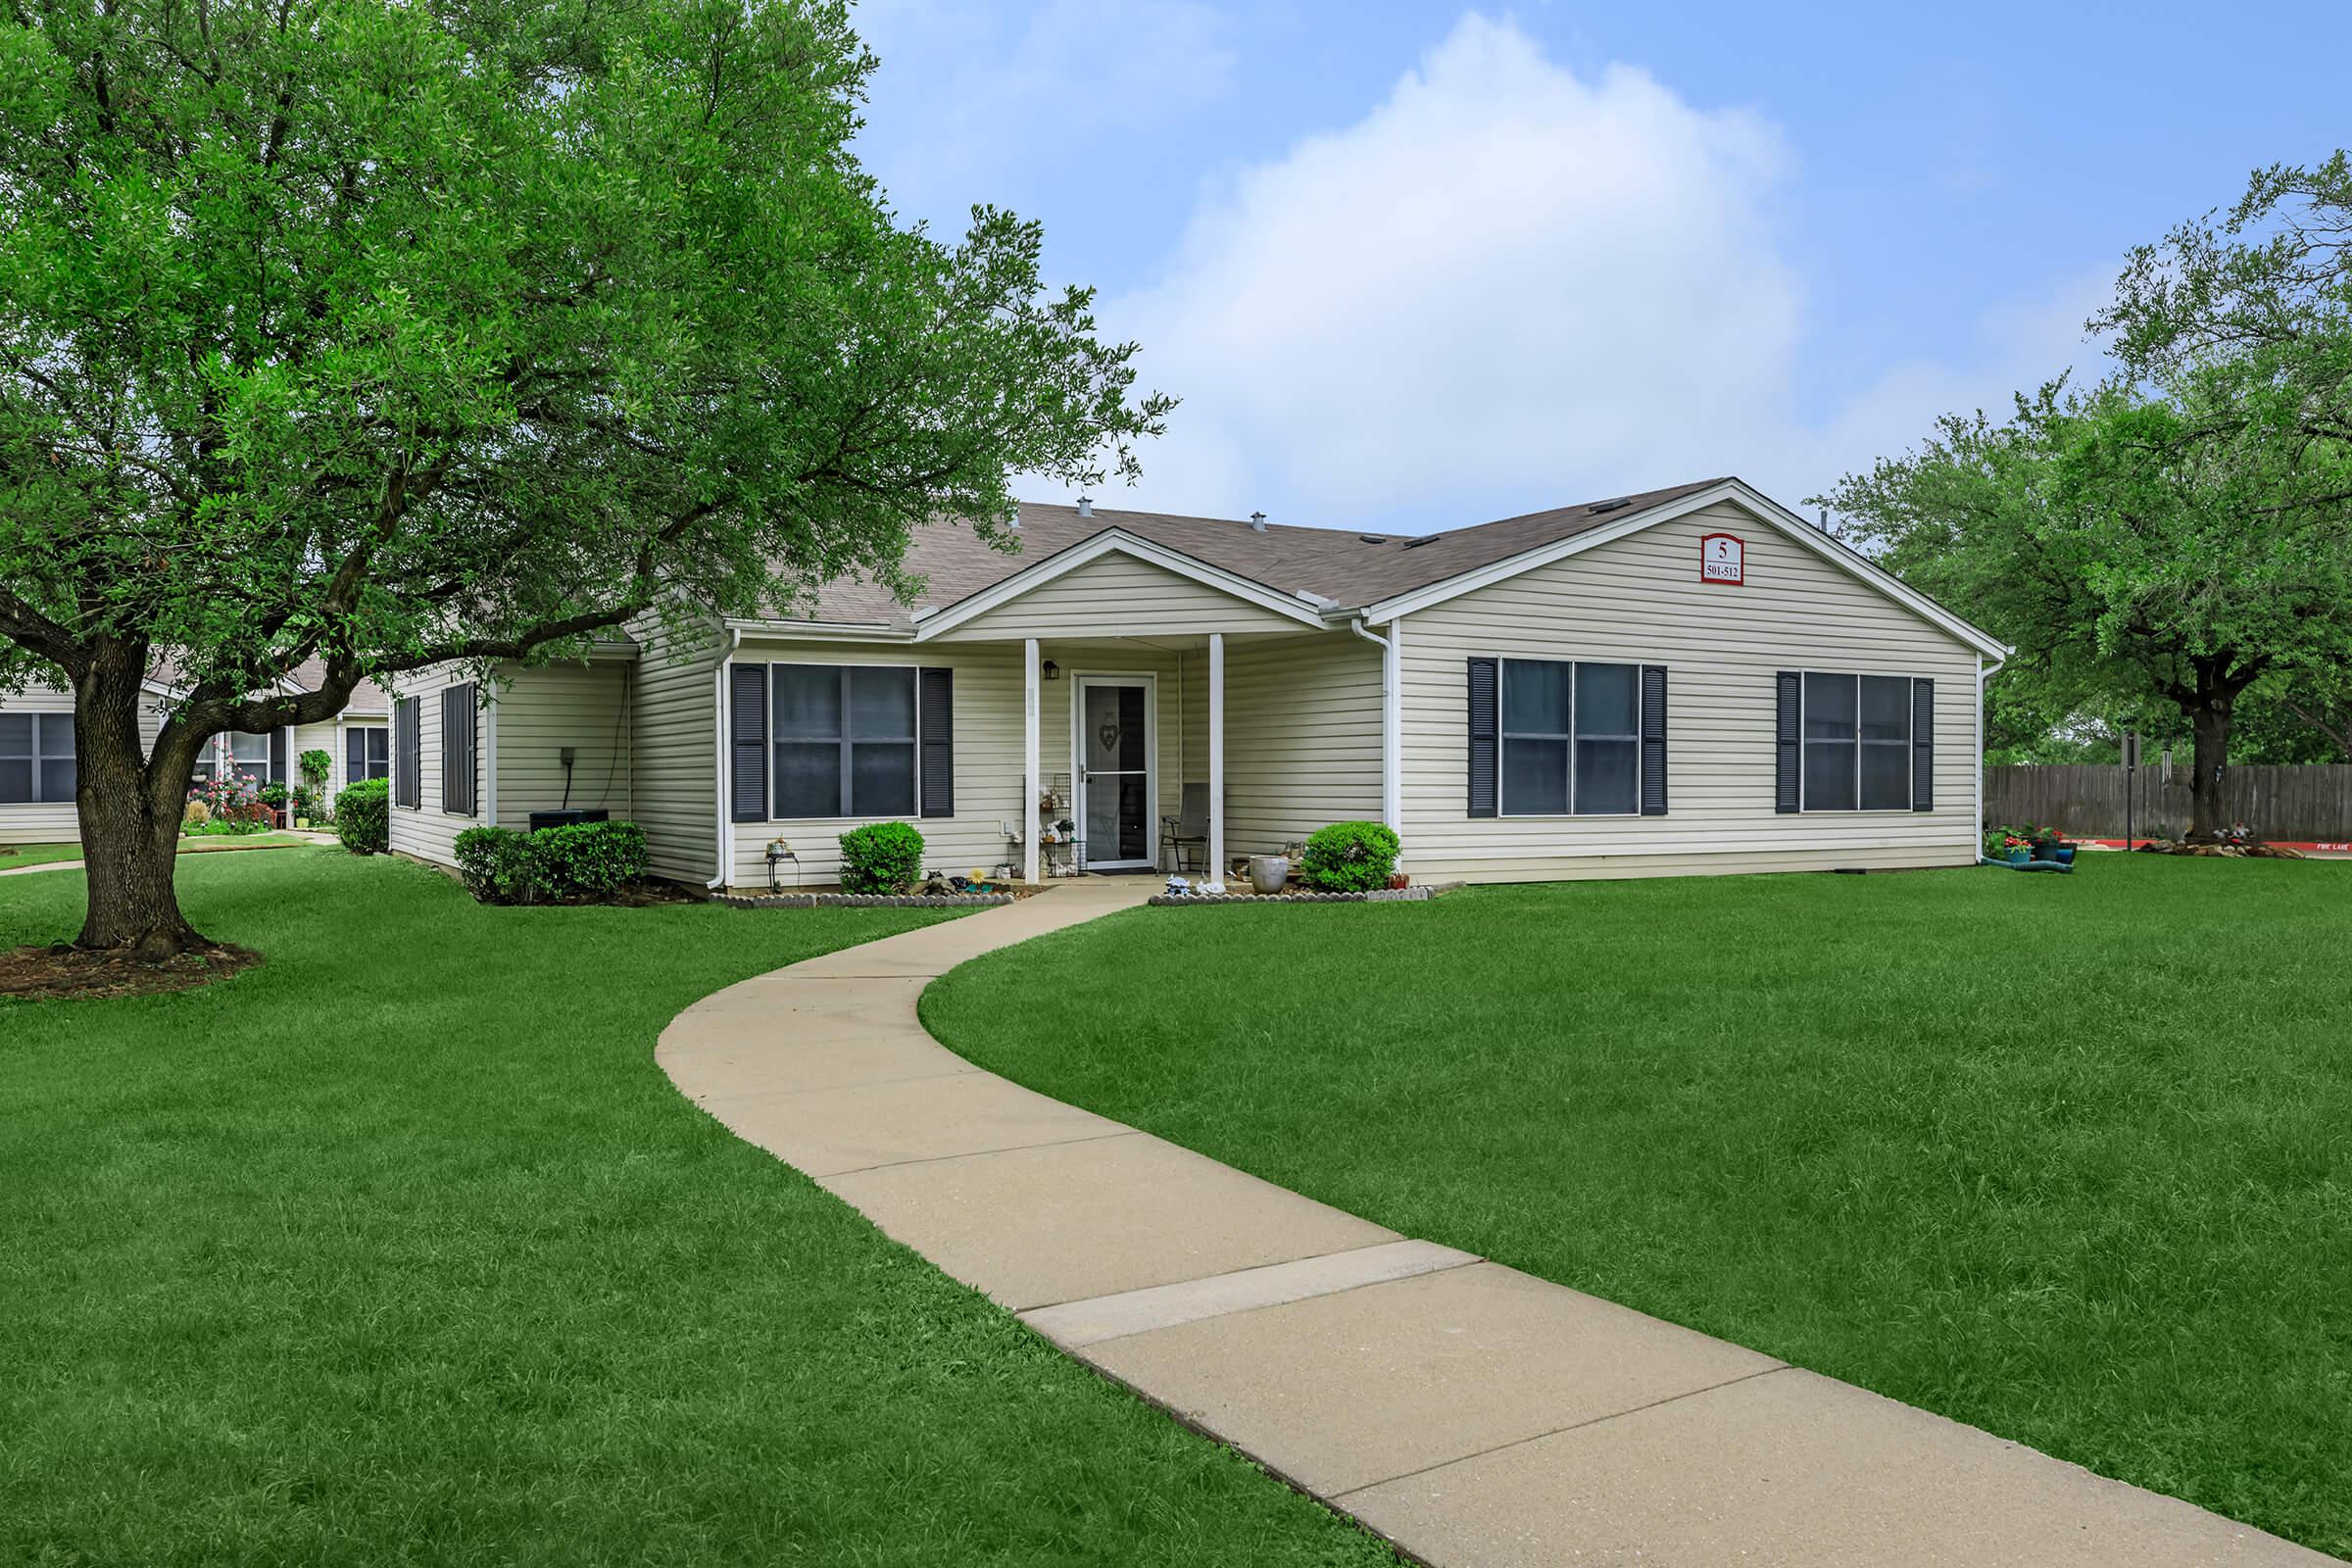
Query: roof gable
point(1171, 585)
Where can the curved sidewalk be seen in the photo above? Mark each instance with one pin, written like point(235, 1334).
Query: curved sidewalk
point(1472, 1414)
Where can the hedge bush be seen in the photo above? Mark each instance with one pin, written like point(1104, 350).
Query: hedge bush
point(580, 863)
point(587, 859)
point(881, 857)
point(494, 863)
point(363, 816)
point(1349, 858)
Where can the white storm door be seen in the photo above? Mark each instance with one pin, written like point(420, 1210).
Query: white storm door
point(1112, 715)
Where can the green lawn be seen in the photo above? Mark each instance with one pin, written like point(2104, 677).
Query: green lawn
point(399, 1249)
point(2068, 1158)
point(16, 855)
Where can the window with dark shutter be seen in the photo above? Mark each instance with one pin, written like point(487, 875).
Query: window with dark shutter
point(1485, 736)
point(935, 740)
point(408, 769)
point(279, 772)
point(1571, 738)
point(747, 743)
point(1857, 739)
point(1653, 740)
point(457, 757)
point(1923, 746)
point(1788, 733)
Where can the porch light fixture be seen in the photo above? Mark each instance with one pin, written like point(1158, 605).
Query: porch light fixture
point(1052, 672)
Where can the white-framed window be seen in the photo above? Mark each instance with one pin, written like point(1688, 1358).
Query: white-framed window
point(840, 740)
point(36, 758)
point(249, 754)
point(1570, 737)
point(1856, 738)
point(367, 752)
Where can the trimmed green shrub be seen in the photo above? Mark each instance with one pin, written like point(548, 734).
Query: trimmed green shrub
point(363, 816)
point(495, 864)
point(881, 857)
point(582, 863)
point(1349, 858)
point(587, 859)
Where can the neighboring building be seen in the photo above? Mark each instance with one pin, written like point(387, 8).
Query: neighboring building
point(37, 767)
point(1689, 680)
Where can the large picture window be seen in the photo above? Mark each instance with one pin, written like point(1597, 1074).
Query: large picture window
point(249, 756)
point(844, 739)
point(1857, 743)
point(367, 752)
point(1571, 738)
point(36, 758)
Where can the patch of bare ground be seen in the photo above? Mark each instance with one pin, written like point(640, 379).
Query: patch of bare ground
point(63, 972)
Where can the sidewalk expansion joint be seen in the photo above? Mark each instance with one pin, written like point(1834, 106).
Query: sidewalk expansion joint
point(979, 1153)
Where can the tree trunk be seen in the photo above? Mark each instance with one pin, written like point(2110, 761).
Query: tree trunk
point(130, 807)
point(2208, 813)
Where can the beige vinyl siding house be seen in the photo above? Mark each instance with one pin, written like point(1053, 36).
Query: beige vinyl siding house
point(1639, 601)
point(1641, 712)
point(521, 722)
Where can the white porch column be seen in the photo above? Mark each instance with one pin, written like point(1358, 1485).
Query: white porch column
point(1033, 782)
point(1217, 755)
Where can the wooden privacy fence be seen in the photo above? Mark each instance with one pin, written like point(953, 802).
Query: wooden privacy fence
point(2294, 803)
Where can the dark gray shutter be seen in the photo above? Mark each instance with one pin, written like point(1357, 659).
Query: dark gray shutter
point(1923, 746)
point(1788, 743)
point(407, 763)
point(1653, 740)
point(935, 740)
point(458, 750)
point(355, 756)
point(747, 749)
point(1486, 726)
point(277, 757)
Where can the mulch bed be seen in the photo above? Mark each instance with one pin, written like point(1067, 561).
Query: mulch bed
point(2229, 851)
point(65, 972)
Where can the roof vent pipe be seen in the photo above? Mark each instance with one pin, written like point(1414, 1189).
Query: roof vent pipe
point(1824, 516)
point(1257, 521)
point(1086, 506)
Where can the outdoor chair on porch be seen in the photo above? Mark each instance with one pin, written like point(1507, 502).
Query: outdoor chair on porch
point(1183, 837)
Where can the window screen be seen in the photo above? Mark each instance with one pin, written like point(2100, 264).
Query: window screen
point(1571, 738)
point(844, 739)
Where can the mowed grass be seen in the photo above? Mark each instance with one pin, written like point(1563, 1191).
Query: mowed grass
point(2069, 1158)
point(16, 855)
point(399, 1249)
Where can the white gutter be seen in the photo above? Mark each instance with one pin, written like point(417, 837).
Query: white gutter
point(488, 805)
point(718, 750)
point(1391, 716)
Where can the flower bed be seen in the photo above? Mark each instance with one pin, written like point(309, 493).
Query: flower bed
point(1418, 893)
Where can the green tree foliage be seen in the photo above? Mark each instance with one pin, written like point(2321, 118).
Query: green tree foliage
point(393, 334)
point(2180, 534)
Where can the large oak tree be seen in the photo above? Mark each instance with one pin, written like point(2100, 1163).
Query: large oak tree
point(391, 334)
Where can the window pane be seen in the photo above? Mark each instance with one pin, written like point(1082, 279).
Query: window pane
point(808, 779)
point(1535, 696)
point(250, 748)
point(1887, 778)
point(882, 704)
point(16, 734)
point(1534, 777)
point(1829, 709)
point(16, 780)
point(1829, 774)
point(882, 780)
point(808, 702)
point(1608, 700)
point(1887, 707)
point(56, 735)
point(57, 780)
point(1608, 777)
point(1133, 733)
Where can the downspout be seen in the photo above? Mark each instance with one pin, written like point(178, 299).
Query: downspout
point(488, 804)
point(1983, 675)
point(718, 761)
point(1390, 715)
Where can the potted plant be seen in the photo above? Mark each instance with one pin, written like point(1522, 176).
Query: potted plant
point(316, 765)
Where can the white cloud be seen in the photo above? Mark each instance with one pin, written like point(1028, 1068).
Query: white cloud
point(1509, 286)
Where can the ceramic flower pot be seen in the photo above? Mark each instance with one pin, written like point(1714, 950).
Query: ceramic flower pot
point(1268, 872)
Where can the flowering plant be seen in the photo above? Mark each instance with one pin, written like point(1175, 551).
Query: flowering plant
point(232, 802)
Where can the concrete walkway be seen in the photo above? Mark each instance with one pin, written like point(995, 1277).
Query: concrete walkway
point(1472, 1414)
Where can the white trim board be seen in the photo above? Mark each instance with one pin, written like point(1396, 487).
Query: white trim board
point(1765, 508)
point(1118, 541)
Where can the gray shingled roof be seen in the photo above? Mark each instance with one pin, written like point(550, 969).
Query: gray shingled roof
point(1349, 568)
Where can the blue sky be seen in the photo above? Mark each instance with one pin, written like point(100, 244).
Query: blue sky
point(1412, 266)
